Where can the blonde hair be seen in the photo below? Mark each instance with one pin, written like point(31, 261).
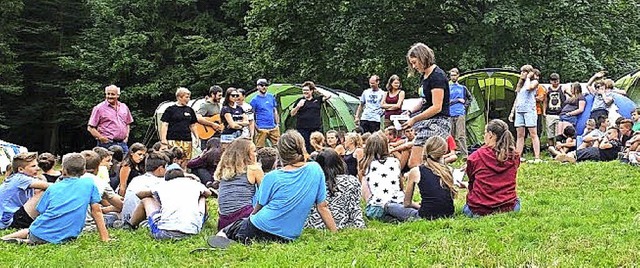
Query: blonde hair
point(434, 149)
point(591, 122)
point(317, 140)
point(291, 148)
point(526, 68)
point(377, 148)
point(354, 138)
point(423, 53)
point(234, 160)
point(181, 91)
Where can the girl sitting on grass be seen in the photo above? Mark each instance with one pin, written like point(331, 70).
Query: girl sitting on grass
point(343, 193)
point(492, 172)
point(132, 166)
point(435, 183)
point(238, 174)
point(333, 141)
point(380, 176)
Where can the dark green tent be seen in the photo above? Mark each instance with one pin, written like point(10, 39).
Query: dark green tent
point(493, 91)
point(630, 83)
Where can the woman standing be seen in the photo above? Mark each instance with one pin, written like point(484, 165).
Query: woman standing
point(307, 111)
point(178, 122)
point(233, 116)
point(431, 117)
point(393, 98)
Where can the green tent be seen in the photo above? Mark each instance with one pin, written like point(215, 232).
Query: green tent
point(631, 83)
point(493, 91)
point(337, 113)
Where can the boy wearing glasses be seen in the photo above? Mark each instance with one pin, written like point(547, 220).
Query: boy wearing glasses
point(20, 192)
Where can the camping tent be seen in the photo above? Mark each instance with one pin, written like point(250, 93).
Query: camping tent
point(631, 83)
point(7, 152)
point(493, 93)
point(336, 114)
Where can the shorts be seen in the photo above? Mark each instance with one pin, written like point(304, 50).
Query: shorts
point(21, 219)
point(529, 119)
point(186, 146)
point(158, 233)
point(589, 153)
point(225, 220)
point(573, 119)
point(34, 240)
point(374, 212)
point(435, 126)
point(245, 232)
point(551, 123)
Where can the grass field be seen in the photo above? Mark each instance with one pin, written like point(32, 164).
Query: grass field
point(572, 215)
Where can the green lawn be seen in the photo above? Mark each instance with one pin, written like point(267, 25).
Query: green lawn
point(572, 215)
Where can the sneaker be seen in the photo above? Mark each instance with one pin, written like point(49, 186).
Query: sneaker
point(522, 159)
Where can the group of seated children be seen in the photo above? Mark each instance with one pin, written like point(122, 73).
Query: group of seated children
point(270, 193)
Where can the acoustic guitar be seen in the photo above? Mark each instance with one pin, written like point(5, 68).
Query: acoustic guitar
point(205, 132)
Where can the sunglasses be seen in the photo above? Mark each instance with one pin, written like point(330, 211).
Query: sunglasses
point(235, 95)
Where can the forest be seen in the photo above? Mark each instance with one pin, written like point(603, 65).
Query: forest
point(56, 56)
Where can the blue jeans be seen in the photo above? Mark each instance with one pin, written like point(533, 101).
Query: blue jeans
point(467, 211)
point(400, 212)
point(125, 147)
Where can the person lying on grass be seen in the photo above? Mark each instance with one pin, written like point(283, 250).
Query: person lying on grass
point(492, 172)
point(344, 193)
point(63, 208)
point(239, 175)
point(435, 183)
point(284, 198)
point(174, 209)
point(20, 192)
point(604, 149)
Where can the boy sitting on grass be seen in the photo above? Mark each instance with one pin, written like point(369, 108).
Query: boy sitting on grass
point(566, 142)
point(155, 167)
point(174, 209)
point(62, 208)
point(109, 197)
point(603, 149)
point(20, 192)
point(267, 158)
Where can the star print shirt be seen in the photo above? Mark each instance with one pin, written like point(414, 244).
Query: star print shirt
point(383, 179)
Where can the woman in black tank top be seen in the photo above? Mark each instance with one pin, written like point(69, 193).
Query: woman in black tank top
point(353, 152)
point(435, 183)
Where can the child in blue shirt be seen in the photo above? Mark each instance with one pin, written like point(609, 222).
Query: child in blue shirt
point(63, 208)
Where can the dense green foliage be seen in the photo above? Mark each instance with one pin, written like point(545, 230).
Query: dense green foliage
point(571, 217)
point(57, 55)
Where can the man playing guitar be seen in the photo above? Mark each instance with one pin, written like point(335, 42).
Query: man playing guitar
point(209, 108)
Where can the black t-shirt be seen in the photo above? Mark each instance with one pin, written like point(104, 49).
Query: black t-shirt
point(611, 153)
point(236, 114)
point(563, 139)
point(437, 79)
point(436, 199)
point(179, 119)
point(308, 116)
point(555, 99)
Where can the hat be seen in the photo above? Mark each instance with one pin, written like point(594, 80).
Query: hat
point(173, 166)
point(262, 82)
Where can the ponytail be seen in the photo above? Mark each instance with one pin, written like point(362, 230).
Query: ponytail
point(505, 144)
point(434, 149)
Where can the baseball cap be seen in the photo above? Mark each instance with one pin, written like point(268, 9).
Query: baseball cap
point(173, 166)
point(262, 82)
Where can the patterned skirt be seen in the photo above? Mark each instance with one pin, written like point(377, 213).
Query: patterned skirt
point(435, 126)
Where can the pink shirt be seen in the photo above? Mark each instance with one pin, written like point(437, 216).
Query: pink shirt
point(111, 122)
